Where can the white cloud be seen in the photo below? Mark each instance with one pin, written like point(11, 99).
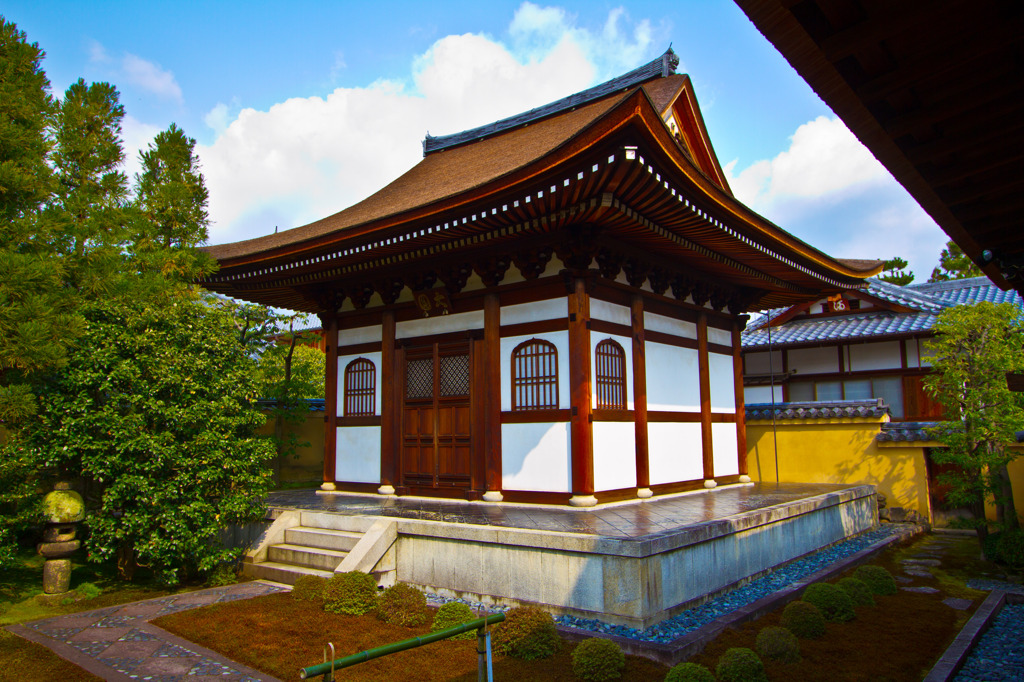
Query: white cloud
point(151, 77)
point(98, 53)
point(306, 158)
point(136, 136)
point(217, 118)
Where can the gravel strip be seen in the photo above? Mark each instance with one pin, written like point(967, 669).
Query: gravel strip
point(698, 616)
point(988, 585)
point(999, 654)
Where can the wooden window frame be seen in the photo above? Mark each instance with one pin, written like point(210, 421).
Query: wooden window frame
point(535, 385)
point(610, 375)
point(360, 388)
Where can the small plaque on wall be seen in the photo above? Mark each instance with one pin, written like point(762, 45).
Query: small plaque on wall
point(433, 302)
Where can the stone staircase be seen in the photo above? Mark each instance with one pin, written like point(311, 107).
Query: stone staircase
point(317, 543)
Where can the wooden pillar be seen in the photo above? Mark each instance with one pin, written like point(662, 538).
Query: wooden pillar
point(704, 370)
point(389, 395)
point(492, 398)
point(643, 469)
point(581, 433)
point(329, 321)
point(741, 424)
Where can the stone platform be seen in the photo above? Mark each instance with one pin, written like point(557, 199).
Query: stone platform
point(632, 563)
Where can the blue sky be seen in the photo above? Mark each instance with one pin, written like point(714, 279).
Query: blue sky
point(302, 109)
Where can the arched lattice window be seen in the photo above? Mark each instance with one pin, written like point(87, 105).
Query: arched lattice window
point(535, 376)
point(360, 388)
point(610, 360)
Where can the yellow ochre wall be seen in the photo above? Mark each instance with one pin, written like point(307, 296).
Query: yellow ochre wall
point(308, 466)
point(839, 451)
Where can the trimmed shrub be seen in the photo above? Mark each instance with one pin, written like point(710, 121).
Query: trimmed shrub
point(402, 604)
point(689, 672)
point(527, 633)
point(309, 588)
point(598, 660)
point(352, 593)
point(740, 665)
point(1010, 548)
point(804, 620)
point(451, 614)
point(878, 580)
point(222, 576)
point(857, 590)
point(833, 603)
point(778, 644)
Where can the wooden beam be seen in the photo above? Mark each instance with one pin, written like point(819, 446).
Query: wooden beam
point(329, 321)
point(704, 369)
point(390, 388)
point(643, 470)
point(581, 430)
point(492, 396)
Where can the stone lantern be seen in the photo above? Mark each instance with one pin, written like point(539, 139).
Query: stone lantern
point(63, 509)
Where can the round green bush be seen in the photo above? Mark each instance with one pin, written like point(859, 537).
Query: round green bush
point(309, 588)
point(352, 593)
point(1010, 548)
point(402, 604)
point(740, 665)
point(857, 590)
point(598, 660)
point(804, 620)
point(527, 633)
point(833, 603)
point(689, 672)
point(451, 614)
point(878, 580)
point(778, 644)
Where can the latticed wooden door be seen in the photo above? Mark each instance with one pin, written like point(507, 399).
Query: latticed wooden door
point(436, 416)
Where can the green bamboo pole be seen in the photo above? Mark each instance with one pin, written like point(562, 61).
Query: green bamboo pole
point(362, 656)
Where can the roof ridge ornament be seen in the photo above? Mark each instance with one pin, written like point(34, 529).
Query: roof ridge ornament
point(661, 67)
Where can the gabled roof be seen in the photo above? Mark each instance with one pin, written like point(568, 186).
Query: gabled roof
point(924, 301)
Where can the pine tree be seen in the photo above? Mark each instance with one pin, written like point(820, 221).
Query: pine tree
point(171, 192)
point(895, 271)
point(954, 264)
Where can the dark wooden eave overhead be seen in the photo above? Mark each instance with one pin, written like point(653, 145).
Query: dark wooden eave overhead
point(934, 89)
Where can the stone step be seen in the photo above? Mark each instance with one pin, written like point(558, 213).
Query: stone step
point(281, 573)
point(300, 555)
point(338, 540)
point(326, 520)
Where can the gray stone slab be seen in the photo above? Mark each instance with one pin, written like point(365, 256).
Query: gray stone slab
point(920, 589)
point(958, 604)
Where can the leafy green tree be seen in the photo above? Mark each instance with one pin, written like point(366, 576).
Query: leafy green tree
point(954, 264)
point(895, 271)
point(974, 348)
point(171, 192)
point(161, 412)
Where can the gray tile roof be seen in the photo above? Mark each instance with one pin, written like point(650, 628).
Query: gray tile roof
point(905, 432)
point(818, 410)
point(927, 300)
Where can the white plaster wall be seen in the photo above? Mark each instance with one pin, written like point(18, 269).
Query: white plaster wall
point(609, 312)
point(673, 379)
point(343, 361)
point(674, 452)
point(723, 384)
point(349, 337)
point(614, 455)
point(719, 336)
point(553, 309)
point(758, 363)
point(761, 394)
point(441, 324)
point(670, 325)
point(723, 449)
point(912, 359)
point(627, 347)
point(536, 457)
point(357, 454)
point(814, 360)
point(561, 341)
point(885, 355)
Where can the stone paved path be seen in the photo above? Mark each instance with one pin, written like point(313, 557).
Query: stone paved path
point(119, 643)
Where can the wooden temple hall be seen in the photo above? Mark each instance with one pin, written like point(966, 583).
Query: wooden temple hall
point(544, 309)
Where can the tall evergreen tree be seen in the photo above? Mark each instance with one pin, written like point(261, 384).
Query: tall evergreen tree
point(954, 264)
point(171, 192)
point(895, 271)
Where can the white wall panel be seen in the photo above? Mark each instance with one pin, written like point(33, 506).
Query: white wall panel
point(609, 312)
point(440, 324)
point(561, 341)
point(553, 309)
point(614, 455)
point(670, 325)
point(885, 355)
point(723, 448)
point(912, 359)
point(674, 452)
point(758, 363)
point(536, 457)
point(357, 454)
point(349, 337)
point(673, 380)
point(343, 361)
point(761, 394)
point(719, 336)
point(627, 347)
point(814, 360)
point(723, 383)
